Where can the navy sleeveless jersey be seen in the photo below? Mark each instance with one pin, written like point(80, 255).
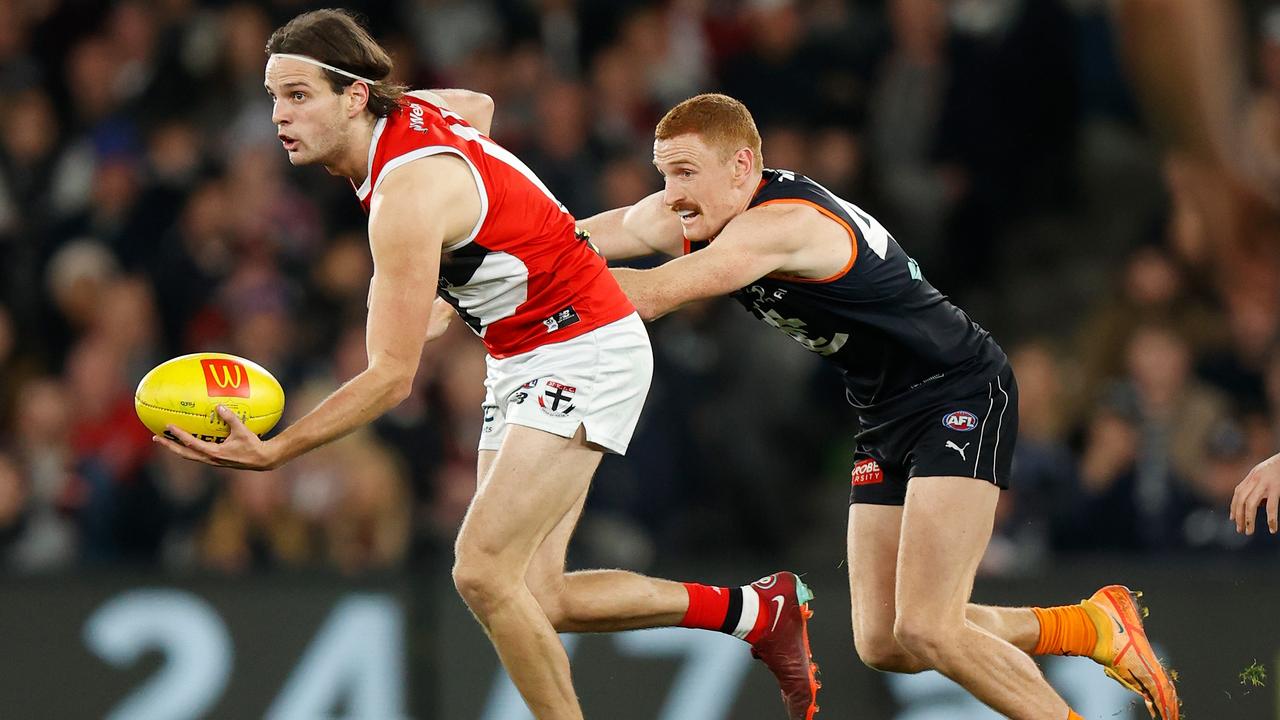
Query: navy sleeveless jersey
point(897, 340)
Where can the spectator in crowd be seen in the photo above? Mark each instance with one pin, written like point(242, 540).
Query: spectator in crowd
point(1233, 448)
point(917, 190)
point(1144, 444)
point(1151, 289)
point(48, 537)
point(14, 503)
point(12, 369)
point(253, 526)
point(1044, 469)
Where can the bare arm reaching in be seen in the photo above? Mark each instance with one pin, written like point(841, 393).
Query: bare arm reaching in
point(1261, 485)
point(638, 230)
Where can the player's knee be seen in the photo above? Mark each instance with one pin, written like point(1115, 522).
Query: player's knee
point(882, 652)
point(924, 637)
point(481, 585)
point(470, 582)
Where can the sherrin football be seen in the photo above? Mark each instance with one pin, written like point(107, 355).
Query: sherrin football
point(187, 390)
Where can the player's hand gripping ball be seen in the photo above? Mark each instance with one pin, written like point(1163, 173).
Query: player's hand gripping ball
point(186, 392)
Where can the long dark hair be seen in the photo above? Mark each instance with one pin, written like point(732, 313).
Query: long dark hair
point(336, 38)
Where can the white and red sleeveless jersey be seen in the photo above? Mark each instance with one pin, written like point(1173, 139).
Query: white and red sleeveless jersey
point(521, 278)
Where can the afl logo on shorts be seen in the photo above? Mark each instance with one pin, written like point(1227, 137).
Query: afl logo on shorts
point(867, 472)
point(961, 421)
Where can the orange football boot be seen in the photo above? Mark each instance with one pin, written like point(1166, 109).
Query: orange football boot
point(1124, 652)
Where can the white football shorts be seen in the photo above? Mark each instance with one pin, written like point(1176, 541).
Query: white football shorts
point(598, 380)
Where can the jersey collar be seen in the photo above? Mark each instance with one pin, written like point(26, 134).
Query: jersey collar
point(366, 187)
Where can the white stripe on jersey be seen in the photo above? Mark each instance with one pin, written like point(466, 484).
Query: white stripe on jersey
point(420, 153)
point(363, 191)
point(873, 232)
point(496, 290)
point(498, 152)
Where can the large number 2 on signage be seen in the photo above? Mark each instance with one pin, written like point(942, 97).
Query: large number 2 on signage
point(358, 652)
point(185, 630)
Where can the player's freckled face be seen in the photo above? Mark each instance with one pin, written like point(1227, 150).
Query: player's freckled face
point(699, 184)
point(306, 112)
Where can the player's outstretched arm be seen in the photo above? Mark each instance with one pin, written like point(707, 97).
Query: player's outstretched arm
point(638, 230)
point(1262, 484)
point(474, 107)
point(413, 210)
point(758, 242)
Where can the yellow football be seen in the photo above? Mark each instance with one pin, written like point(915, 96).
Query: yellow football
point(187, 390)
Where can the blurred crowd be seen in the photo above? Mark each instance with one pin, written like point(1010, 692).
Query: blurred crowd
point(146, 210)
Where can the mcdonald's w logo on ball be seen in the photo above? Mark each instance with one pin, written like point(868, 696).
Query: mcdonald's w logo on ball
point(225, 378)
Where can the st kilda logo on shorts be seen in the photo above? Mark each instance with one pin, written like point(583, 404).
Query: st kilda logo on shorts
point(867, 472)
point(557, 398)
point(960, 421)
point(225, 378)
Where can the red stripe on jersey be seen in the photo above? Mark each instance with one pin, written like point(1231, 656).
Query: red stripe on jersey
point(536, 283)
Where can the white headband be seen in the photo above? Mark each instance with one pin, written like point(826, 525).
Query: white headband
point(326, 66)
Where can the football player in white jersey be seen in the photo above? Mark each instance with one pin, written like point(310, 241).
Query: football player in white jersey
point(568, 371)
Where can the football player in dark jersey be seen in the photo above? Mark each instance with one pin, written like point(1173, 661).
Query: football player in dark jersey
point(936, 401)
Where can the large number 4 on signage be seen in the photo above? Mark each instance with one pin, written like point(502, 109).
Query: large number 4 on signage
point(357, 653)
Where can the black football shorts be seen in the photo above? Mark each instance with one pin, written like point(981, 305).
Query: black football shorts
point(970, 435)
